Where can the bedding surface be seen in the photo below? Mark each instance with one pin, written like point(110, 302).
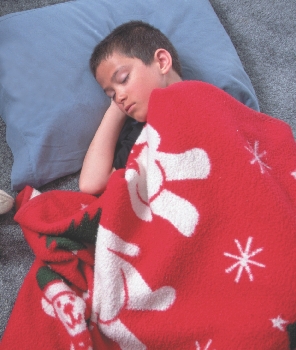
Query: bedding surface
point(208, 249)
point(262, 32)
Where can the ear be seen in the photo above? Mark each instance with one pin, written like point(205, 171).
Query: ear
point(164, 59)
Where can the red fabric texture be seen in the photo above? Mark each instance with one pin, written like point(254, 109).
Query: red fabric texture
point(53, 308)
point(196, 239)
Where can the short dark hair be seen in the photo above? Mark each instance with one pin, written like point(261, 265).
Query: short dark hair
point(134, 39)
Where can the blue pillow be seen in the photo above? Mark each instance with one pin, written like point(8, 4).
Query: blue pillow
point(49, 100)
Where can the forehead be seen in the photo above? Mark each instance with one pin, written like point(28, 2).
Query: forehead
point(111, 64)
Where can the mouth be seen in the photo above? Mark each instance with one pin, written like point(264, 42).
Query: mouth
point(128, 108)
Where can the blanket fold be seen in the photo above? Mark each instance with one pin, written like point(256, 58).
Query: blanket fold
point(192, 246)
point(53, 308)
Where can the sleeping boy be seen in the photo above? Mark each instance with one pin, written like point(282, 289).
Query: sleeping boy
point(132, 61)
point(209, 248)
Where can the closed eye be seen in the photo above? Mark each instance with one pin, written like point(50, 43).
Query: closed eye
point(111, 93)
point(125, 79)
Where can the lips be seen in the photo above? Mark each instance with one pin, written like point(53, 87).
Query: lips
point(128, 108)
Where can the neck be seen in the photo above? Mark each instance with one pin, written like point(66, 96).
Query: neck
point(173, 77)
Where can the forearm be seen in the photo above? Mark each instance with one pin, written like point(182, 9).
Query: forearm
point(97, 165)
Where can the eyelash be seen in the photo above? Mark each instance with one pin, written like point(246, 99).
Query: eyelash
point(123, 82)
point(125, 79)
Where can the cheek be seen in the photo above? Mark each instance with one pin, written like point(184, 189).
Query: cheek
point(146, 88)
point(120, 106)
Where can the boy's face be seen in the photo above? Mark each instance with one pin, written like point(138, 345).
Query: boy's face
point(129, 82)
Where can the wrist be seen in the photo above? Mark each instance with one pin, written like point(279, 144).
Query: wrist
point(116, 111)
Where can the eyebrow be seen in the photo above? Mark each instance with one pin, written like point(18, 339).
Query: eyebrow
point(116, 72)
point(113, 77)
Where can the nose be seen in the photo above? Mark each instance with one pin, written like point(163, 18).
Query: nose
point(120, 96)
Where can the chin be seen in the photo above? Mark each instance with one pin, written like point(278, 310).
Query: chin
point(140, 118)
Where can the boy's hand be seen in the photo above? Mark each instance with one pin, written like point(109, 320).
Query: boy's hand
point(115, 111)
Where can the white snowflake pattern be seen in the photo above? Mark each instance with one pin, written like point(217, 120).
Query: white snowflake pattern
point(244, 261)
point(258, 157)
point(146, 181)
point(293, 173)
point(278, 323)
point(198, 347)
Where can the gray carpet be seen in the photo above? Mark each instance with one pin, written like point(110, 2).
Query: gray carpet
point(263, 32)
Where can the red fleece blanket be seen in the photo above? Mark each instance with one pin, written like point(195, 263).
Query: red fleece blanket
point(192, 246)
